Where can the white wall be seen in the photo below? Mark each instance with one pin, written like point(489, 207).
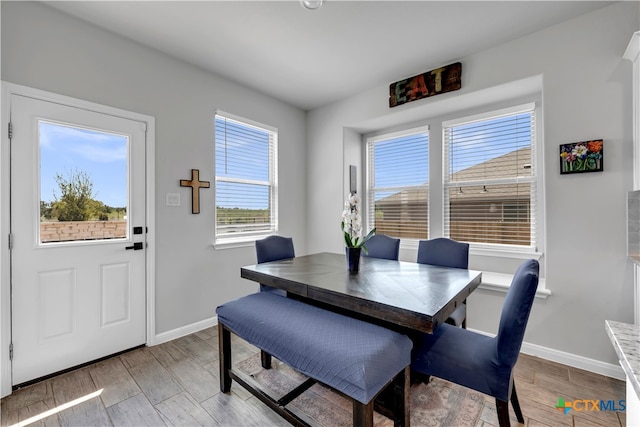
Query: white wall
point(586, 94)
point(48, 50)
point(586, 89)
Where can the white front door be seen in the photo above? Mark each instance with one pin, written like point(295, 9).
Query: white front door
point(78, 229)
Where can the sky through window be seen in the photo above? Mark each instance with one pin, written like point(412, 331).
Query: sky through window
point(103, 156)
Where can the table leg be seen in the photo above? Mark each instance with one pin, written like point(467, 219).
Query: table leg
point(224, 356)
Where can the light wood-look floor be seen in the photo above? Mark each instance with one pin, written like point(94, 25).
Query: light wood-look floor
point(176, 383)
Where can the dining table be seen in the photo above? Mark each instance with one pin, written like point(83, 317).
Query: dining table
point(399, 294)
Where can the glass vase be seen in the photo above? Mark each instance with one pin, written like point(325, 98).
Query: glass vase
point(353, 259)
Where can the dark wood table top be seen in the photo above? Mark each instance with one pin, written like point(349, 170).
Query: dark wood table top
point(406, 294)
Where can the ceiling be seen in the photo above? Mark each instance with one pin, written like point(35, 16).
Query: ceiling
point(310, 58)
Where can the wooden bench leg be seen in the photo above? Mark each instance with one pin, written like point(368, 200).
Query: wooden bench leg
point(401, 398)
point(362, 414)
point(394, 400)
point(265, 359)
point(224, 357)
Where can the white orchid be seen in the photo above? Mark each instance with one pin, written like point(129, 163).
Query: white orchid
point(352, 223)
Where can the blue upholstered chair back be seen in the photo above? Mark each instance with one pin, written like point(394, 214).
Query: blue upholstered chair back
point(382, 246)
point(273, 248)
point(446, 253)
point(478, 361)
point(515, 312)
point(443, 252)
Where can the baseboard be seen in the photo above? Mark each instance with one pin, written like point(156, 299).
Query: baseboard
point(185, 330)
point(573, 360)
point(569, 359)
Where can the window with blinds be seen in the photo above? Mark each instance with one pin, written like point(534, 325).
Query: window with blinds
point(398, 183)
point(245, 165)
point(490, 178)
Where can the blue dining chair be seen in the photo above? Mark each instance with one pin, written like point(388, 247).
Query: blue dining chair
point(273, 248)
point(447, 253)
point(480, 362)
point(382, 246)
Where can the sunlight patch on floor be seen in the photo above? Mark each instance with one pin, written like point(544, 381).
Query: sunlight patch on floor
point(58, 409)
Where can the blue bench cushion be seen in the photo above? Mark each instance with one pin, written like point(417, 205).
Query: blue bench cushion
point(349, 355)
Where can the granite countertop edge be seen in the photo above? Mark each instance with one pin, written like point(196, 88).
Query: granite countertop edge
point(625, 338)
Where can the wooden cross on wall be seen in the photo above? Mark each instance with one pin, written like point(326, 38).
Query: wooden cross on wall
point(195, 185)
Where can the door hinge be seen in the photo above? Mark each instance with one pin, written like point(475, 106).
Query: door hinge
point(10, 130)
point(11, 351)
point(10, 241)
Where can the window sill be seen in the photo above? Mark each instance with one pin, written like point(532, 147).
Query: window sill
point(500, 282)
point(488, 251)
point(238, 242)
point(517, 253)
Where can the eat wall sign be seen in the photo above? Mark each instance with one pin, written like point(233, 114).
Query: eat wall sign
point(434, 82)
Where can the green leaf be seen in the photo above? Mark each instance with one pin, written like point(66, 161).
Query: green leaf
point(347, 240)
point(368, 236)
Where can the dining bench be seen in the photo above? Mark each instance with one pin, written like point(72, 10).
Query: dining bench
point(358, 359)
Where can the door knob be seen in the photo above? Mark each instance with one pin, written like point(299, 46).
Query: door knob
point(136, 246)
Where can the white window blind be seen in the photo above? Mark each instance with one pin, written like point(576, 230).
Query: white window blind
point(490, 178)
point(398, 188)
point(245, 178)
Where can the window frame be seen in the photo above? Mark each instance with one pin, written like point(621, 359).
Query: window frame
point(483, 248)
point(497, 264)
point(229, 240)
point(369, 190)
point(486, 255)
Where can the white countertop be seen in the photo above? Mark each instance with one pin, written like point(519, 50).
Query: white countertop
point(626, 341)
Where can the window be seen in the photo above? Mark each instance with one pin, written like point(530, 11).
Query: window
point(83, 184)
point(398, 187)
point(490, 178)
point(246, 192)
